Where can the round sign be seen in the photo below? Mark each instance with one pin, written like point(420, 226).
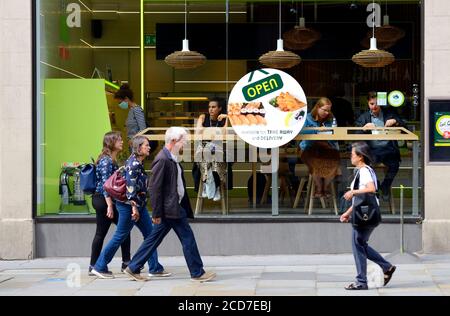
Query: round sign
point(267, 108)
point(396, 98)
point(443, 126)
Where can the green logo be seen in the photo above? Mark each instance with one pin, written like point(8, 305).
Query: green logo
point(262, 87)
point(396, 98)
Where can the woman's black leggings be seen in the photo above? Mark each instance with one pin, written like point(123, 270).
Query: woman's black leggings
point(103, 223)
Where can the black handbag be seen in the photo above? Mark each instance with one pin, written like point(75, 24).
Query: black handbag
point(366, 211)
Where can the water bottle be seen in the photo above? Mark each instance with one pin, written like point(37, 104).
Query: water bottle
point(334, 124)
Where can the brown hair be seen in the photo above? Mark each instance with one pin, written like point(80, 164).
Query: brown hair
point(109, 140)
point(124, 92)
point(371, 95)
point(321, 102)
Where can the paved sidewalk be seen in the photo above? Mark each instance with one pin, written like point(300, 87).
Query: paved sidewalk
point(236, 275)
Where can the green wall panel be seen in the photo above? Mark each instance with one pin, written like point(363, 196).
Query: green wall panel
point(76, 118)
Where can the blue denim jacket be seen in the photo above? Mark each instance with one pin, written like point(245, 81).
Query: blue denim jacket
point(104, 169)
point(310, 122)
point(136, 181)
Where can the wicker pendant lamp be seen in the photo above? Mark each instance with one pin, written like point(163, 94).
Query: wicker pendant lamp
point(280, 58)
point(301, 37)
point(373, 57)
point(185, 59)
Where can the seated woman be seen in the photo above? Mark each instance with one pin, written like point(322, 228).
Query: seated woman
point(321, 157)
point(211, 170)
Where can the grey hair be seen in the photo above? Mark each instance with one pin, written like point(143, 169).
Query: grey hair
point(175, 133)
point(362, 149)
point(136, 144)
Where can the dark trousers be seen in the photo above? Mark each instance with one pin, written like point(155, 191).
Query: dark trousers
point(362, 251)
point(184, 233)
point(103, 224)
point(390, 157)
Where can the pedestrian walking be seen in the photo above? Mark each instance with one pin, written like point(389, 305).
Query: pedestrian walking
point(171, 209)
point(361, 159)
point(132, 212)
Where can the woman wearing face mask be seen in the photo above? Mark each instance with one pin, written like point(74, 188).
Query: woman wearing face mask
point(136, 117)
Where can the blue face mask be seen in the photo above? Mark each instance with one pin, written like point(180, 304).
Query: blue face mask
point(123, 105)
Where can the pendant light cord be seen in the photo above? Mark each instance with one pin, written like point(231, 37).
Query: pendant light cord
point(280, 20)
point(185, 19)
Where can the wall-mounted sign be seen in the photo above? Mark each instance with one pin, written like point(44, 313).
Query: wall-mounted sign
point(442, 129)
point(439, 131)
point(149, 39)
point(396, 98)
point(267, 108)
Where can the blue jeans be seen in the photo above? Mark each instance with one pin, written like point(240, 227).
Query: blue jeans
point(362, 251)
point(124, 227)
point(185, 235)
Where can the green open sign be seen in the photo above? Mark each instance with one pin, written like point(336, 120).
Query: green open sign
point(262, 87)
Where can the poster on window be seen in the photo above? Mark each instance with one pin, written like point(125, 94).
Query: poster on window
point(439, 131)
point(442, 129)
point(267, 108)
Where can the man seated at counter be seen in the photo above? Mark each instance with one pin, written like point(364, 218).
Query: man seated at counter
point(212, 172)
point(383, 151)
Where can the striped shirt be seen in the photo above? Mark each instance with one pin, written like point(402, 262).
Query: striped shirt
point(135, 121)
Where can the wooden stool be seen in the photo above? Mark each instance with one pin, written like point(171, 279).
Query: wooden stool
point(322, 199)
point(199, 204)
point(302, 172)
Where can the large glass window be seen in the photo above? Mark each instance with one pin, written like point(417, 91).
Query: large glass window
point(87, 49)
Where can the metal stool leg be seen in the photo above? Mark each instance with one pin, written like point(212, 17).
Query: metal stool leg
point(333, 196)
point(308, 193)
point(223, 197)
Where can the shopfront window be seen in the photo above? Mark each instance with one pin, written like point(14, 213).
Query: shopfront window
point(87, 49)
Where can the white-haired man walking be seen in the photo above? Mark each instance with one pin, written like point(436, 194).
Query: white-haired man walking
point(171, 209)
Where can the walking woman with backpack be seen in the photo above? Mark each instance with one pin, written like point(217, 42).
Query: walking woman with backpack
point(105, 209)
point(365, 183)
point(132, 211)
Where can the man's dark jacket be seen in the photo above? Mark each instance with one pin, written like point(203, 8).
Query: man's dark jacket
point(388, 114)
point(163, 188)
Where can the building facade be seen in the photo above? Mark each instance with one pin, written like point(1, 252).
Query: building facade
point(35, 223)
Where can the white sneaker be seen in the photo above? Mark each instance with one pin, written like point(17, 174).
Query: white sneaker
point(217, 195)
point(102, 275)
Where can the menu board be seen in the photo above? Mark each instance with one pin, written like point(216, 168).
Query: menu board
point(439, 133)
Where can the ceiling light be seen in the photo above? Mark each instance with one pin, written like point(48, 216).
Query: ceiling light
point(373, 57)
point(280, 58)
point(185, 59)
point(301, 37)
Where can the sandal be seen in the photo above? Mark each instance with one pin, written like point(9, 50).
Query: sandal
point(354, 286)
point(388, 275)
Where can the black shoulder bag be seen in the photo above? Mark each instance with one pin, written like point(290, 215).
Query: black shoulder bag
point(366, 211)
